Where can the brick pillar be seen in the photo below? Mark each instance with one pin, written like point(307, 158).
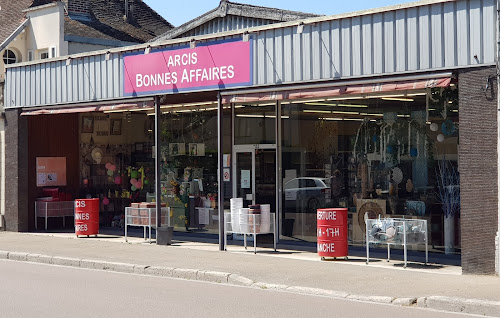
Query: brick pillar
point(16, 171)
point(478, 169)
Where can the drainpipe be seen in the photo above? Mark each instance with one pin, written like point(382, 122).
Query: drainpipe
point(497, 238)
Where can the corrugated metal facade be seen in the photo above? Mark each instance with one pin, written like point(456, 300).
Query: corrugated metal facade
point(228, 23)
point(436, 36)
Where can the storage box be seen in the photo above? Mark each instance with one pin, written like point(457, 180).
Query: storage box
point(150, 205)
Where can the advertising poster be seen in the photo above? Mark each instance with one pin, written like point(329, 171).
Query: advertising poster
point(50, 171)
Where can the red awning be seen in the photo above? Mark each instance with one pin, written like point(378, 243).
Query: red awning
point(339, 90)
point(86, 109)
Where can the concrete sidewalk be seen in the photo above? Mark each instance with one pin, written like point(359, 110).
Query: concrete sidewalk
point(434, 286)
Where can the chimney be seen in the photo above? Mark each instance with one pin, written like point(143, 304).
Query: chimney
point(126, 17)
point(78, 8)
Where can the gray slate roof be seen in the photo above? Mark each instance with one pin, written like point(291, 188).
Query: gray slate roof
point(11, 16)
point(104, 20)
point(232, 16)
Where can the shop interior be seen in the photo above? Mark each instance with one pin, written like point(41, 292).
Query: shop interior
point(384, 155)
point(391, 154)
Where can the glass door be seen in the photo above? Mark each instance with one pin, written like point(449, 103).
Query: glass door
point(245, 176)
point(255, 172)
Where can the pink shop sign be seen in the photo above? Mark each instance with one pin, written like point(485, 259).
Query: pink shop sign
point(213, 65)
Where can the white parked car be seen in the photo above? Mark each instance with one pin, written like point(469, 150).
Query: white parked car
point(306, 194)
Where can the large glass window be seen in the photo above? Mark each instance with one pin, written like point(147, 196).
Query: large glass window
point(189, 166)
point(255, 124)
point(393, 155)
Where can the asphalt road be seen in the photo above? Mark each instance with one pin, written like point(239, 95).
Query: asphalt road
point(38, 290)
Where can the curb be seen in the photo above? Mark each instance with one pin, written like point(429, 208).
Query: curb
point(442, 303)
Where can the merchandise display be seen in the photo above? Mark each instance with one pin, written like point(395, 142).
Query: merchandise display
point(395, 231)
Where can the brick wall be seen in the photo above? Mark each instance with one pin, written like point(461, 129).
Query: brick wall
point(16, 171)
point(478, 169)
point(80, 7)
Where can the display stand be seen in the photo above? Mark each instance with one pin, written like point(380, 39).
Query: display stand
point(249, 224)
point(146, 218)
point(50, 209)
point(393, 231)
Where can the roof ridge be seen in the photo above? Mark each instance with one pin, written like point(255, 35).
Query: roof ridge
point(267, 8)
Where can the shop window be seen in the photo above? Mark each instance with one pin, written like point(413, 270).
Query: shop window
point(387, 157)
point(9, 57)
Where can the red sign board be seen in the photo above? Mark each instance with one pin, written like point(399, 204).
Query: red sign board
point(86, 217)
point(332, 232)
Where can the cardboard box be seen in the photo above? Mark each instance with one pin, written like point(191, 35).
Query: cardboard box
point(150, 205)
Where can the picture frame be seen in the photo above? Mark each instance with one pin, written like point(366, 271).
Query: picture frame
point(115, 127)
point(87, 124)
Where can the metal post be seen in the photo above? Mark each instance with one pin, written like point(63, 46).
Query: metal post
point(279, 175)
point(157, 165)
point(220, 184)
point(404, 241)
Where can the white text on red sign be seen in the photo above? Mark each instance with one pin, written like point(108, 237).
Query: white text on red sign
point(327, 216)
point(326, 247)
point(80, 204)
point(81, 227)
point(330, 232)
point(82, 216)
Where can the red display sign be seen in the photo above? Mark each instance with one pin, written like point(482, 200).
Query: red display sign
point(87, 217)
point(332, 232)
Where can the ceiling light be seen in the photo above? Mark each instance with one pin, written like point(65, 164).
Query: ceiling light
point(346, 98)
point(268, 104)
point(307, 101)
point(385, 96)
point(348, 113)
point(317, 111)
point(171, 106)
point(372, 114)
point(199, 104)
point(250, 116)
point(399, 99)
point(115, 111)
point(354, 119)
point(355, 106)
point(404, 116)
point(141, 109)
point(416, 94)
point(340, 105)
point(331, 118)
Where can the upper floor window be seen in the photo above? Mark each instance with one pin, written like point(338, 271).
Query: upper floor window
point(44, 55)
point(9, 57)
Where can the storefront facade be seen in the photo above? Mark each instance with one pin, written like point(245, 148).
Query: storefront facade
point(384, 112)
